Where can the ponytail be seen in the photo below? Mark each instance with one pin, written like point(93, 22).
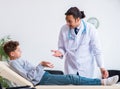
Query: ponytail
point(82, 15)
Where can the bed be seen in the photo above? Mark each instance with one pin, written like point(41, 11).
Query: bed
point(8, 73)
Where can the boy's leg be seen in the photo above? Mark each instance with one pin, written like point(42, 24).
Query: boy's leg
point(50, 79)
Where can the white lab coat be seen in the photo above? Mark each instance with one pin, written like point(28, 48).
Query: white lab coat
point(80, 52)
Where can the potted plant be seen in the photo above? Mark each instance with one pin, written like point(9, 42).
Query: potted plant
point(3, 57)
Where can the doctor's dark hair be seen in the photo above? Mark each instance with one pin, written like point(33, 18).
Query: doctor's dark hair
point(10, 46)
point(75, 12)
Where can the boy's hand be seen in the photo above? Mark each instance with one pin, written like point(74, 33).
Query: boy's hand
point(57, 53)
point(47, 64)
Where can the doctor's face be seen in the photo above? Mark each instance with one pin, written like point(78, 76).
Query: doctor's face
point(72, 22)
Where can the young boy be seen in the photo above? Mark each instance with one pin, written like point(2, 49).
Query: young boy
point(38, 76)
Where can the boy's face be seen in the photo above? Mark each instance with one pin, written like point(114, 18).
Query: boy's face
point(16, 53)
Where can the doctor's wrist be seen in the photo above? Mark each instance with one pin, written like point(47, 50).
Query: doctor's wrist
point(61, 56)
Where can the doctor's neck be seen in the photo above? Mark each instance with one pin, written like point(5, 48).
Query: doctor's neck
point(78, 24)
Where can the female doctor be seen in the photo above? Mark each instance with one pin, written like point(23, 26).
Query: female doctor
point(79, 43)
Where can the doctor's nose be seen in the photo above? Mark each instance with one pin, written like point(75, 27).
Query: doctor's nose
point(68, 24)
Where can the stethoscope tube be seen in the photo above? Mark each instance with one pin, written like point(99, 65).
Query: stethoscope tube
point(70, 37)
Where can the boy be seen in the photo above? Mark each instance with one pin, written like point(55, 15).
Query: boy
point(38, 76)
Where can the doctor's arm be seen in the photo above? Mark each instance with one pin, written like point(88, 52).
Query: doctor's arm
point(61, 50)
point(97, 52)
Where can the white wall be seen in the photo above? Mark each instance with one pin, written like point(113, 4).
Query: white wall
point(36, 24)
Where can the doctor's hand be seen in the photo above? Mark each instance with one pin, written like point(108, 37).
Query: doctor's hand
point(104, 73)
point(57, 53)
point(47, 64)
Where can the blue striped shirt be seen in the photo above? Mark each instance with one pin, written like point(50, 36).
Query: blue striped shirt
point(28, 71)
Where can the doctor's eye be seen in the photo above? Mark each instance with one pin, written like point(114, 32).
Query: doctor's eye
point(69, 21)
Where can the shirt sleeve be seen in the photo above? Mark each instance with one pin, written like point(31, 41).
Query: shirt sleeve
point(28, 65)
point(33, 71)
point(96, 47)
point(61, 47)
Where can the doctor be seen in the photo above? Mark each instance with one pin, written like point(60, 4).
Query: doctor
point(79, 43)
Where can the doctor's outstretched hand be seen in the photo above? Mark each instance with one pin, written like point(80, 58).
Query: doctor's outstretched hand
point(57, 53)
point(104, 73)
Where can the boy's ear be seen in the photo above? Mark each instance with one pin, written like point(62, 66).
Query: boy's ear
point(12, 54)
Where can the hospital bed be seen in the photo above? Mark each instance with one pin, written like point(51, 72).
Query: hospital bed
point(8, 73)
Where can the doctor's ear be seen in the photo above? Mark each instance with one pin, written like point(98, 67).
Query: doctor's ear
point(77, 19)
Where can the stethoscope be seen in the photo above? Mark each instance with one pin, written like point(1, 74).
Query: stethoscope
point(70, 37)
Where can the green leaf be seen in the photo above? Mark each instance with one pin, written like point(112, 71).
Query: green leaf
point(3, 40)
